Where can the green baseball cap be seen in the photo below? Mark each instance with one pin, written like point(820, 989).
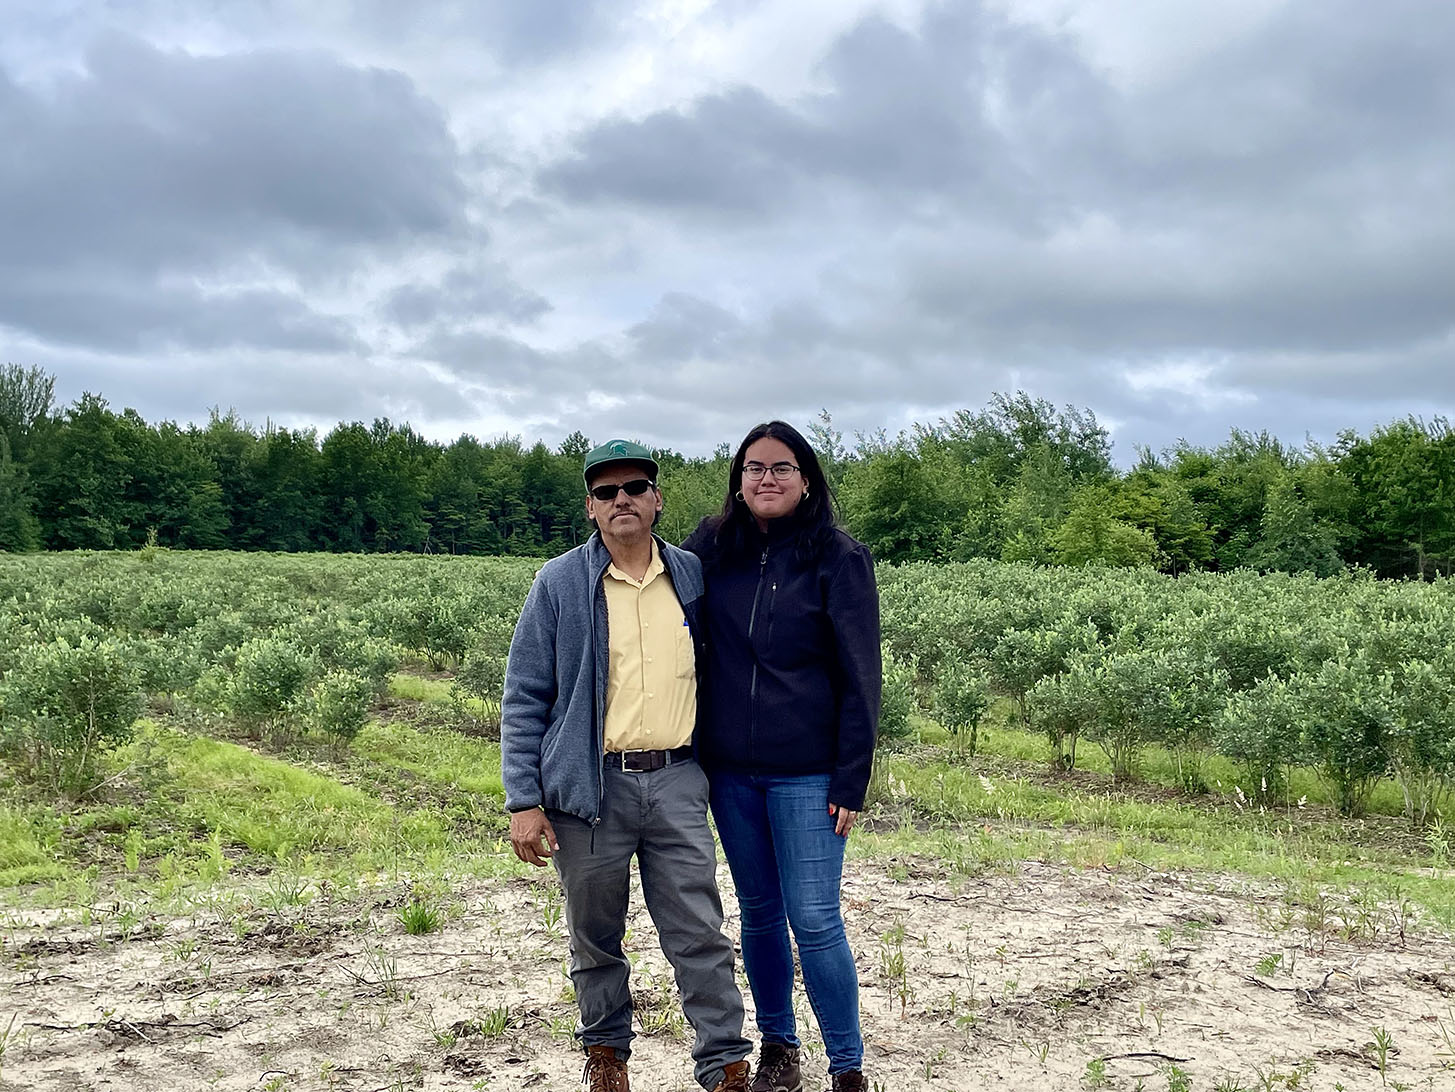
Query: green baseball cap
point(618, 451)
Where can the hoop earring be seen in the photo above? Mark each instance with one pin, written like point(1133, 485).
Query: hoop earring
point(805, 491)
point(739, 494)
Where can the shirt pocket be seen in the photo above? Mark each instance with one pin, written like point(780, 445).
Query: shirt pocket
point(686, 657)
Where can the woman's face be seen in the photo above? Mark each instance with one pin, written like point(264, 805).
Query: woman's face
point(771, 497)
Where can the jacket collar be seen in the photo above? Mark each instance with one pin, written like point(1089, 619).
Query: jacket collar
point(599, 557)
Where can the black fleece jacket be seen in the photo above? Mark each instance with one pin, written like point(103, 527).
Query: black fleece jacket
point(792, 675)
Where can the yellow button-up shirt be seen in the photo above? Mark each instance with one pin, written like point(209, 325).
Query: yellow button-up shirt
point(651, 688)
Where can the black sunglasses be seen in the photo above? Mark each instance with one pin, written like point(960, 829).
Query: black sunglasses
point(634, 488)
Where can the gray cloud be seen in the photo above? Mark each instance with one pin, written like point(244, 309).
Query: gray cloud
point(954, 204)
point(124, 188)
point(907, 116)
point(126, 317)
point(152, 160)
point(464, 294)
point(506, 30)
point(1282, 208)
point(185, 386)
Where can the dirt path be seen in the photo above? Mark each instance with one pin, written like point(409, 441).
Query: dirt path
point(1009, 981)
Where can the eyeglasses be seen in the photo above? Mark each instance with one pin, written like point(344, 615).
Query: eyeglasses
point(781, 471)
point(634, 488)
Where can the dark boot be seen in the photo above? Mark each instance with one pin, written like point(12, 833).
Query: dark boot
point(777, 1070)
point(850, 1080)
point(604, 1071)
point(734, 1078)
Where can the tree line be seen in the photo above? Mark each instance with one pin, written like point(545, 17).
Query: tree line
point(1018, 480)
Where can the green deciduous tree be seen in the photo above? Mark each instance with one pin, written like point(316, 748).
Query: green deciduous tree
point(1229, 487)
point(27, 396)
point(902, 504)
point(19, 529)
point(1403, 507)
point(81, 472)
point(173, 492)
point(1152, 498)
point(1090, 534)
point(284, 475)
point(1037, 502)
point(1291, 539)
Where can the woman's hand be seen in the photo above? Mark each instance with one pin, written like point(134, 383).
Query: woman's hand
point(845, 819)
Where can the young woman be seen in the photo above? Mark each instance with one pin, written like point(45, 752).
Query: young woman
point(790, 708)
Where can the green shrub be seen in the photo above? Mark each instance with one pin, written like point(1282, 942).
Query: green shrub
point(481, 677)
point(1345, 708)
point(1262, 729)
point(220, 635)
point(66, 703)
point(437, 626)
point(1021, 658)
point(961, 697)
point(373, 658)
point(338, 704)
point(1422, 734)
point(897, 701)
point(164, 665)
point(1063, 707)
point(1128, 696)
point(269, 676)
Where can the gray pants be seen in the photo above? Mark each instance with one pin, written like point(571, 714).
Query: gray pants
point(661, 817)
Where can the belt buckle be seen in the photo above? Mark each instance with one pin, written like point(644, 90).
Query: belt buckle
point(626, 762)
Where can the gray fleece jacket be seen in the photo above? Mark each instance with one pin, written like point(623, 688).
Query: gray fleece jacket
point(552, 715)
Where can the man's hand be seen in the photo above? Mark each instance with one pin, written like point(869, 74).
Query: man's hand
point(532, 836)
point(843, 820)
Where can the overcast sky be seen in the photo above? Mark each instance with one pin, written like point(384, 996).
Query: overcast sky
point(673, 219)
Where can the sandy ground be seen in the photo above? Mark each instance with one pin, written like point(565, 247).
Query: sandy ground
point(1012, 981)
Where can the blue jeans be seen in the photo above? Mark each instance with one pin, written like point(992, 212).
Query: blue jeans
point(787, 864)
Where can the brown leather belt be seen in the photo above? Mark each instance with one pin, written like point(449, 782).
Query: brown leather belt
point(646, 761)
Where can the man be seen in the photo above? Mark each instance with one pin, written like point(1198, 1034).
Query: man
point(596, 755)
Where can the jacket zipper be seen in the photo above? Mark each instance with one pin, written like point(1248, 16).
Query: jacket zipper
point(753, 684)
point(598, 701)
point(772, 599)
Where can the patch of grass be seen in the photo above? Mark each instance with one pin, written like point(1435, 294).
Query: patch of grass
point(1003, 738)
point(1223, 837)
point(420, 918)
point(278, 810)
point(430, 802)
point(420, 688)
point(30, 838)
point(973, 821)
point(400, 799)
point(215, 805)
point(441, 758)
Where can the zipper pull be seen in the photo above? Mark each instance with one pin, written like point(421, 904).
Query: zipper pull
point(764, 559)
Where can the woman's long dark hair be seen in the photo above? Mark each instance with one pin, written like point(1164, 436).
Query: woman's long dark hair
point(813, 520)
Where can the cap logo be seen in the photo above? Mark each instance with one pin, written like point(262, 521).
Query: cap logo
point(618, 448)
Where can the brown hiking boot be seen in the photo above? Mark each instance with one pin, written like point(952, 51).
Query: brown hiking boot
point(850, 1080)
point(604, 1071)
point(734, 1078)
point(777, 1070)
